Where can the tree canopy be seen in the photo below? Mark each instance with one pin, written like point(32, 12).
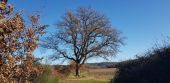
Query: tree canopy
point(83, 34)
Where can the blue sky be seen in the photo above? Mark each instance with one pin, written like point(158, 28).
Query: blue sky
point(142, 22)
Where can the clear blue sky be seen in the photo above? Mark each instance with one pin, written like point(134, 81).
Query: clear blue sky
point(142, 21)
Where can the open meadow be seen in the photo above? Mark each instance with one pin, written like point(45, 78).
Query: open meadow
point(101, 75)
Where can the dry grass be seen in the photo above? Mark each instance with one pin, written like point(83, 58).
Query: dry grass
point(84, 81)
point(91, 76)
point(102, 74)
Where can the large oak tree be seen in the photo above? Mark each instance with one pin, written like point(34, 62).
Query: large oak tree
point(83, 34)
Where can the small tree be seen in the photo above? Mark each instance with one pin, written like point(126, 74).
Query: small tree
point(83, 34)
point(17, 44)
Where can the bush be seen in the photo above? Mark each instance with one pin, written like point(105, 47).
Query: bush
point(46, 76)
point(153, 67)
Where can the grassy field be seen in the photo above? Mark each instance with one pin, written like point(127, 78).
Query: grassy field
point(84, 81)
point(91, 76)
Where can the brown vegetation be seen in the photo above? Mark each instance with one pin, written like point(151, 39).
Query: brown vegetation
point(88, 75)
point(17, 43)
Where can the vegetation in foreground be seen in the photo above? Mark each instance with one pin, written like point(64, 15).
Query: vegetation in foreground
point(47, 76)
point(152, 68)
point(18, 40)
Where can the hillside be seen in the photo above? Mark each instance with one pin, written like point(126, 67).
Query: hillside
point(153, 67)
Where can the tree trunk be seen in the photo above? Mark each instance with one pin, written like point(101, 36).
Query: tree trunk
point(77, 70)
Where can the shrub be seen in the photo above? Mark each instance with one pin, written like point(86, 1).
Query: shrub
point(153, 67)
point(46, 76)
point(18, 41)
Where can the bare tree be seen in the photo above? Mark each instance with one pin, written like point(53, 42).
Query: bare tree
point(83, 34)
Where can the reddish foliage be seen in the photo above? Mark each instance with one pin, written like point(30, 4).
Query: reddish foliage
point(17, 43)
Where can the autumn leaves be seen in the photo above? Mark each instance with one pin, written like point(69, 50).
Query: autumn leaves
point(17, 43)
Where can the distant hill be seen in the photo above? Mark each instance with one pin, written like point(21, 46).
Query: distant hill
point(93, 65)
point(102, 65)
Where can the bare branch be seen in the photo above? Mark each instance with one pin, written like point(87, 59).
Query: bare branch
point(83, 34)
